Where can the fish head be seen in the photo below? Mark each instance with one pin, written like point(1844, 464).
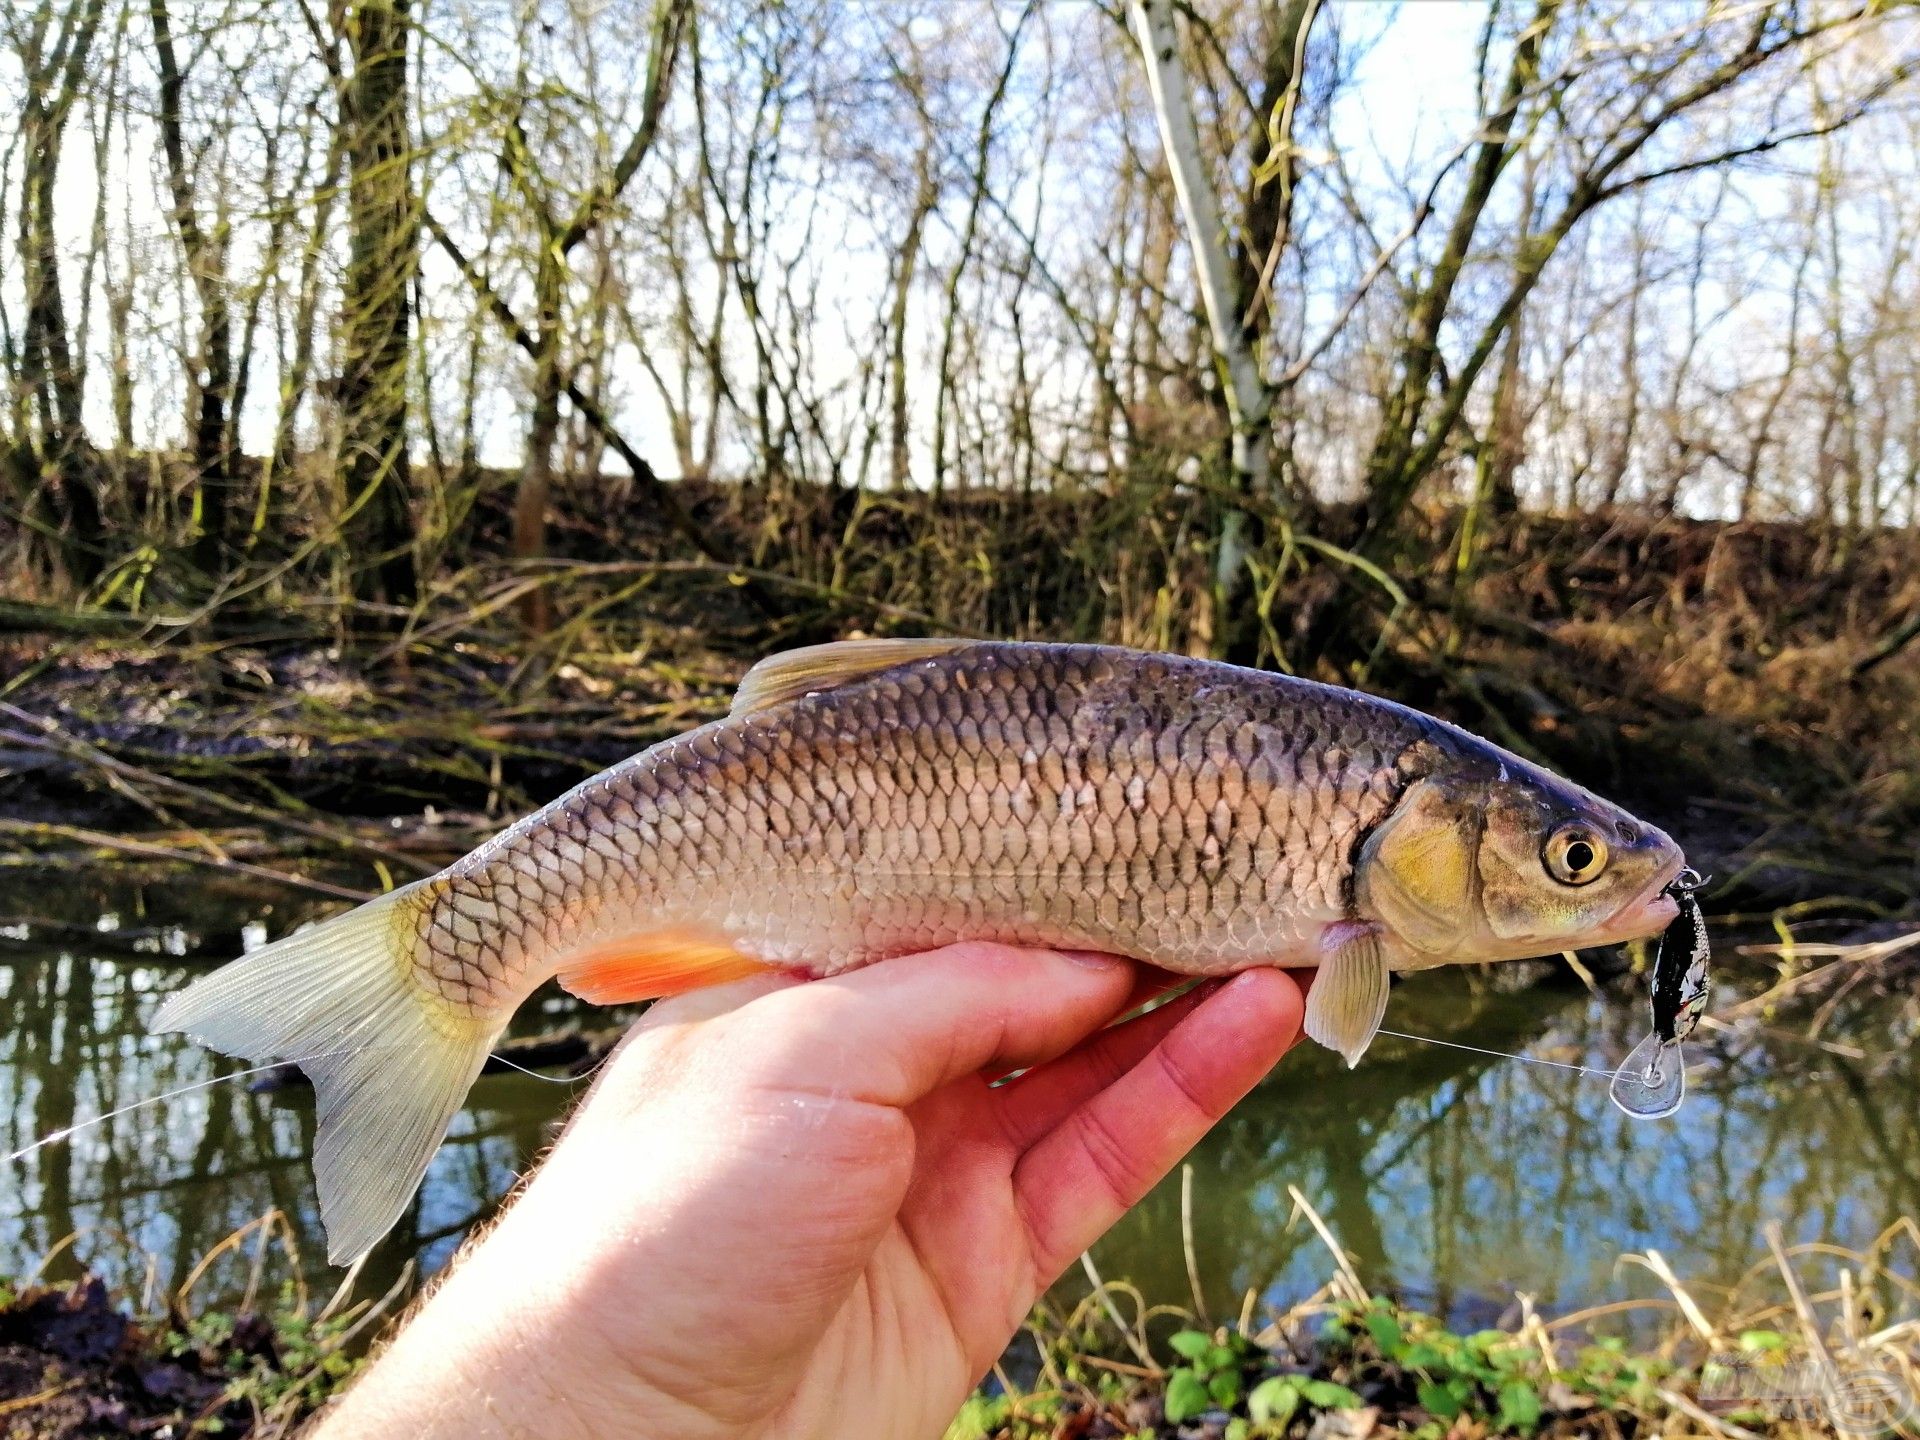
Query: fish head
point(1511, 861)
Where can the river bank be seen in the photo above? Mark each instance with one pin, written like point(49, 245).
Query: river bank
point(1750, 687)
point(1779, 1357)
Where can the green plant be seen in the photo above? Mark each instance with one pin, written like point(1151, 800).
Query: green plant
point(1211, 1375)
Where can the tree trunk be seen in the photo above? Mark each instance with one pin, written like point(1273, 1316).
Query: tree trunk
point(1248, 400)
point(211, 387)
point(383, 255)
point(926, 194)
point(62, 494)
point(1392, 474)
point(531, 496)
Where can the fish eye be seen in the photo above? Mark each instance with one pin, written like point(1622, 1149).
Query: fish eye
point(1575, 855)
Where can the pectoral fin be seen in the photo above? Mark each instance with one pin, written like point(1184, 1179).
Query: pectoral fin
point(1349, 995)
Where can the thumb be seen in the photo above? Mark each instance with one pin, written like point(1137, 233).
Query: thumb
point(895, 1031)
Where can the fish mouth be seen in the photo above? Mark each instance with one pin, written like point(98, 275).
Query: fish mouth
point(1647, 914)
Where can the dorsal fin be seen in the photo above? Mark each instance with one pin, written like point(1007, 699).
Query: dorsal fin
point(794, 673)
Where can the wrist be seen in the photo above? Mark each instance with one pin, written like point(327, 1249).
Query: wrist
point(480, 1361)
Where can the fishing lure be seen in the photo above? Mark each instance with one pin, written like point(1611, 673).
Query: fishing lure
point(1653, 1081)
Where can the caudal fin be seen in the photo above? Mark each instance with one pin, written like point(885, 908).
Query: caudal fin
point(390, 1062)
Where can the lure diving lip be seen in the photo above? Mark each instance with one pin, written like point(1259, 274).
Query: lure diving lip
point(1653, 1080)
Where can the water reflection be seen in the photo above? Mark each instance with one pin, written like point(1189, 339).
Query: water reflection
point(169, 1181)
point(1454, 1178)
point(1457, 1180)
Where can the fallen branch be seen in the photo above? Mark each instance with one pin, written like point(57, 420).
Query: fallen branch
point(1890, 645)
point(146, 850)
point(120, 774)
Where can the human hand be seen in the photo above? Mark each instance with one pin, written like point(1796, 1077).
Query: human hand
point(801, 1210)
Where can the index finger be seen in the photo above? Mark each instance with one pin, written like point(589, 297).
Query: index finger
point(1103, 1157)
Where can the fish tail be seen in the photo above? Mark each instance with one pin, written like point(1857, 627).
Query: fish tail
point(390, 1061)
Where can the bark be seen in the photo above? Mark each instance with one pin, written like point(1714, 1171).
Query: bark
point(1247, 397)
point(59, 470)
point(212, 385)
point(383, 216)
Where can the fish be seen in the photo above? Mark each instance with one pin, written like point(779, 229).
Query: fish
point(1653, 1080)
point(873, 798)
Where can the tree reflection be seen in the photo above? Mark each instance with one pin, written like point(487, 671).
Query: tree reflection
point(1453, 1177)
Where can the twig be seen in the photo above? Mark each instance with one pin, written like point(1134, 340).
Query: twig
point(1349, 1277)
point(56, 741)
point(1186, 1242)
point(121, 845)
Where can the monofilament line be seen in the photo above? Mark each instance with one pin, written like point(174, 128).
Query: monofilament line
point(81, 1125)
point(502, 1060)
point(1505, 1055)
point(128, 1109)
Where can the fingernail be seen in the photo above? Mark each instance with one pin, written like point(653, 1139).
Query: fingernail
point(1095, 959)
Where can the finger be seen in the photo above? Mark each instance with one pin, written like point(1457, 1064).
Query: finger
point(631, 1069)
point(1031, 1106)
point(1073, 1184)
point(1150, 983)
point(893, 1032)
point(696, 1006)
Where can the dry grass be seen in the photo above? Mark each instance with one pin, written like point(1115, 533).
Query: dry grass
point(1777, 1355)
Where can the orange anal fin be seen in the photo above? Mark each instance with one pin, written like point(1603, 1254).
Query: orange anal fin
point(646, 967)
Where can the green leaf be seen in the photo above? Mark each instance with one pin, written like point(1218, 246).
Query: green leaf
point(1225, 1388)
point(1510, 1357)
point(1186, 1396)
point(1519, 1405)
point(1437, 1400)
point(1238, 1429)
point(1190, 1344)
point(1274, 1400)
point(1422, 1356)
point(1753, 1341)
point(1386, 1331)
point(1219, 1357)
point(1326, 1395)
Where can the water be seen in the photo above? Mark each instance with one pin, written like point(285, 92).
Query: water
point(1454, 1179)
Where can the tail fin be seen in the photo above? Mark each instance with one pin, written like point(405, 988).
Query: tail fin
point(390, 1062)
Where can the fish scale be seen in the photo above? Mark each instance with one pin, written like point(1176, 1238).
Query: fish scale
point(875, 798)
point(1043, 794)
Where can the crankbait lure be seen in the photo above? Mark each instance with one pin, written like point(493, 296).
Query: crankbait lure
point(1653, 1081)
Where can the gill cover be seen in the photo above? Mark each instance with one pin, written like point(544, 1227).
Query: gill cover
point(1418, 870)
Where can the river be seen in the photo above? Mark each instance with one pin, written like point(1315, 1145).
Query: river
point(1455, 1179)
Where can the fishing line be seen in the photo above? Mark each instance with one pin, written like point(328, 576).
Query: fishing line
point(500, 1059)
point(79, 1126)
point(70, 1131)
point(1505, 1055)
